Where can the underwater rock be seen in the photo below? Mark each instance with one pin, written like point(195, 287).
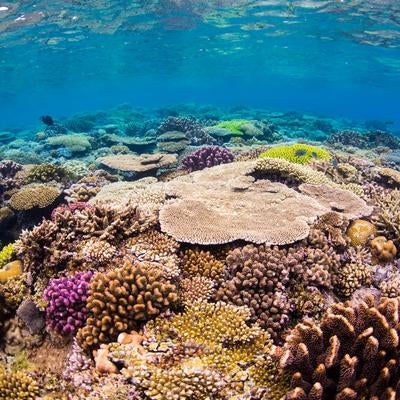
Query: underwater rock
point(32, 317)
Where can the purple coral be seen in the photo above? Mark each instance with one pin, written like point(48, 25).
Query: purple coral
point(207, 156)
point(67, 311)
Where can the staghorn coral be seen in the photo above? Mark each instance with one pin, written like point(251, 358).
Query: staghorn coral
point(207, 157)
point(352, 353)
point(17, 386)
point(66, 311)
point(360, 231)
point(121, 298)
point(46, 173)
point(34, 196)
point(298, 153)
point(53, 245)
point(196, 262)
point(158, 249)
point(387, 217)
point(383, 249)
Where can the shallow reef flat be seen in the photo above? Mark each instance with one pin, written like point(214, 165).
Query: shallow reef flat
point(199, 253)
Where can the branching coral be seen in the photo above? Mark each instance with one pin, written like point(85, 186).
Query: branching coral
point(353, 353)
point(46, 173)
point(195, 289)
point(207, 157)
point(67, 296)
point(298, 153)
point(17, 386)
point(351, 277)
point(120, 299)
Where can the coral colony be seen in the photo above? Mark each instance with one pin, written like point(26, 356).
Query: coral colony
point(188, 258)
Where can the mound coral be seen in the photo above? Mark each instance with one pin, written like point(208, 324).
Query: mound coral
point(11, 270)
point(118, 300)
point(360, 231)
point(207, 157)
point(17, 386)
point(353, 353)
point(36, 195)
point(67, 296)
point(298, 153)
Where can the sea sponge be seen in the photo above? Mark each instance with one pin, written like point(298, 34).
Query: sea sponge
point(67, 296)
point(10, 270)
point(33, 196)
point(298, 153)
point(7, 253)
point(353, 353)
point(360, 231)
point(73, 143)
point(121, 298)
point(17, 386)
point(196, 262)
point(383, 249)
point(46, 173)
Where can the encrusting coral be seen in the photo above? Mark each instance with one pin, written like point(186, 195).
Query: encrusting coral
point(120, 299)
point(298, 153)
point(353, 353)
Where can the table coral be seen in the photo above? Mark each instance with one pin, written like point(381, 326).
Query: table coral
point(298, 153)
point(66, 311)
point(120, 299)
point(352, 353)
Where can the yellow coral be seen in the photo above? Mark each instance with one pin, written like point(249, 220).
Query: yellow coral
point(10, 270)
point(6, 254)
point(360, 231)
point(17, 386)
point(298, 153)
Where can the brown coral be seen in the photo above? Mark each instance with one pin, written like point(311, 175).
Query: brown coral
point(360, 231)
point(196, 289)
point(351, 277)
point(203, 263)
point(383, 249)
point(121, 298)
point(352, 354)
point(40, 196)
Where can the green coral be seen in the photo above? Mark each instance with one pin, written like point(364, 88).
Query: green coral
point(7, 254)
point(233, 125)
point(298, 153)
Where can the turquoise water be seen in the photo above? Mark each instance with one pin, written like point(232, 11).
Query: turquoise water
point(335, 58)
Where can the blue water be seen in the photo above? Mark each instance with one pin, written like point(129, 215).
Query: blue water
point(336, 58)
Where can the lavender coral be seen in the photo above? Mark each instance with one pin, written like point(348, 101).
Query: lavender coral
point(207, 156)
point(67, 296)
